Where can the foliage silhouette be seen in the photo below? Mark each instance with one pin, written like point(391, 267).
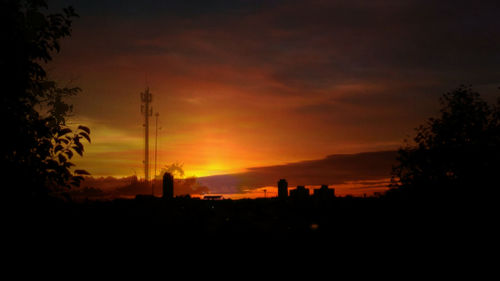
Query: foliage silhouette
point(455, 154)
point(176, 169)
point(37, 145)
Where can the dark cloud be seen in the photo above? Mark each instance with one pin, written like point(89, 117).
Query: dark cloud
point(408, 40)
point(311, 44)
point(334, 169)
point(309, 47)
point(147, 9)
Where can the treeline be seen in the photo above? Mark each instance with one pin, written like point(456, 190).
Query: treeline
point(107, 188)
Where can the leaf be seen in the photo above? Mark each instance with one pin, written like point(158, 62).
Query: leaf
point(78, 150)
point(85, 135)
point(83, 128)
point(58, 147)
point(62, 158)
point(64, 131)
point(77, 178)
point(69, 153)
point(78, 147)
point(81, 172)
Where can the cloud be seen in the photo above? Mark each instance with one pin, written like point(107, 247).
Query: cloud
point(278, 81)
point(332, 170)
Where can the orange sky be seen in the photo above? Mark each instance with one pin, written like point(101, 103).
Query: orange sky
point(240, 86)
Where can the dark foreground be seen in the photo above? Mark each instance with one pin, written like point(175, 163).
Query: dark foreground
point(335, 222)
point(253, 235)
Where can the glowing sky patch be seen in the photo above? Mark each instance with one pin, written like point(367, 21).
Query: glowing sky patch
point(256, 83)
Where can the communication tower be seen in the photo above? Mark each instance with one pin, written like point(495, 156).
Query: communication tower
point(147, 110)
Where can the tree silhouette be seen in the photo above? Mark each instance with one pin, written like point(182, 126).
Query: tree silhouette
point(37, 145)
point(457, 153)
point(176, 169)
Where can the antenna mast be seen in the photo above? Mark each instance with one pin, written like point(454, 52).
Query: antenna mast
point(147, 110)
point(156, 145)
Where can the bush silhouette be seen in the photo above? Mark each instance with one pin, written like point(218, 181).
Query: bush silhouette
point(37, 145)
point(456, 153)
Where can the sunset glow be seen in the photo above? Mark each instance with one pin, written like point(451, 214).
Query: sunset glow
point(238, 87)
point(303, 127)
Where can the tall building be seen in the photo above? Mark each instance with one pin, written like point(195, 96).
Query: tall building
point(300, 192)
point(282, 189)
point(168, 186)
point(324, 192)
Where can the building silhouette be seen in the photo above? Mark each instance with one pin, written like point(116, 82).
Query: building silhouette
point(168, 186)
point(299, 193)
point(324, 193)
point(282, 189)
point(213, 197)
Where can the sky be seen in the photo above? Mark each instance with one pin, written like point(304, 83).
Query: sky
point(240, 85)
point(355, 174)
